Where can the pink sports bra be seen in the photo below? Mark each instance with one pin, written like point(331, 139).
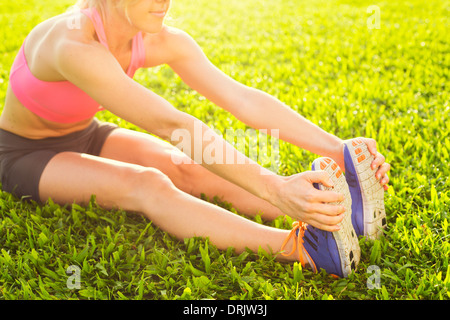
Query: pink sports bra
point(62, 101)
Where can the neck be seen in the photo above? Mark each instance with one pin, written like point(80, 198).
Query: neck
point(118, 29)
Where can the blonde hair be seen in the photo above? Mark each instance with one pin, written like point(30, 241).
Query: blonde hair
point(84, 4)
point(101, 4)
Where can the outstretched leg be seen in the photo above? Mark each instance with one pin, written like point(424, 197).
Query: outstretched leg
point(145, 150)
point(75, 177)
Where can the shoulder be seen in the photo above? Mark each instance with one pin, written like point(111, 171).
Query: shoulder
point(65, 35)
point(172, 36)
point(180, 41)
point(168, 45)
point(70, 25)
point(77, 51)
point(67, 51)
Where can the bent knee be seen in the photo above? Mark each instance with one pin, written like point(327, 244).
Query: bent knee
point(147, 185)
point(148, 179)
point(151, 178)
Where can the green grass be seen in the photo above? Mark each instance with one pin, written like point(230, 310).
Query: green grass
point(320, 58)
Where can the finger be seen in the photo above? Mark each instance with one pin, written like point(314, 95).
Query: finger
point(371, 146)
point(382, 170)
point(327, 223)
point(385, 180)
point(326, 196)
point(378, 161)
point(325, 227)
point(328, 210)
point(319, 176)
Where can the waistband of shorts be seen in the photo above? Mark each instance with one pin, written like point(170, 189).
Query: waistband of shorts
point(9, 139)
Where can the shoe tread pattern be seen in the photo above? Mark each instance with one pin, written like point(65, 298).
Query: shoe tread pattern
point(346, 238)
point(371, 189)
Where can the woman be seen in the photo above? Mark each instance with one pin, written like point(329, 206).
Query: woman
point(51, 146)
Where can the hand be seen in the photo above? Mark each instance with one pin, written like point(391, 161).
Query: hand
point(378, 162)
point(296, 197)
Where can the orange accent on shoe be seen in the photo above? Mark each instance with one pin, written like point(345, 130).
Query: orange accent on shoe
point(339, 173)
point(333, 166)
point(298, 243)
point(327, 160)
point(354, 143)
point(358, 151)
point(322, 165)
point(361, 158)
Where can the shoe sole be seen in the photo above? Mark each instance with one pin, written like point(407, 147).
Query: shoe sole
point(372, 192)
point(346, 238)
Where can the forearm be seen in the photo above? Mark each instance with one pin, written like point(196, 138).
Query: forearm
point(206, 147)
point(263, 111)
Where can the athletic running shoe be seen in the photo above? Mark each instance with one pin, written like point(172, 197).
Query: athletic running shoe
point(368, 212)
point(338, 252)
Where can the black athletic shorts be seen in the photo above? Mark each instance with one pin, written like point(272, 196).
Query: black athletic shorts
point(23, 160)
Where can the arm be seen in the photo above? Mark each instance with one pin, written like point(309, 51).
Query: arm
point(93, 69)
point(251, 106)
point(258, 109)
point(264, 111)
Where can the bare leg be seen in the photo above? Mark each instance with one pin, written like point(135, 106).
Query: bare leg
point(75, 177)
point(145, 150)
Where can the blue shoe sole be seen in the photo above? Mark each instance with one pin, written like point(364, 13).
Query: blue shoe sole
point(369, 215)
point(336, 252)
